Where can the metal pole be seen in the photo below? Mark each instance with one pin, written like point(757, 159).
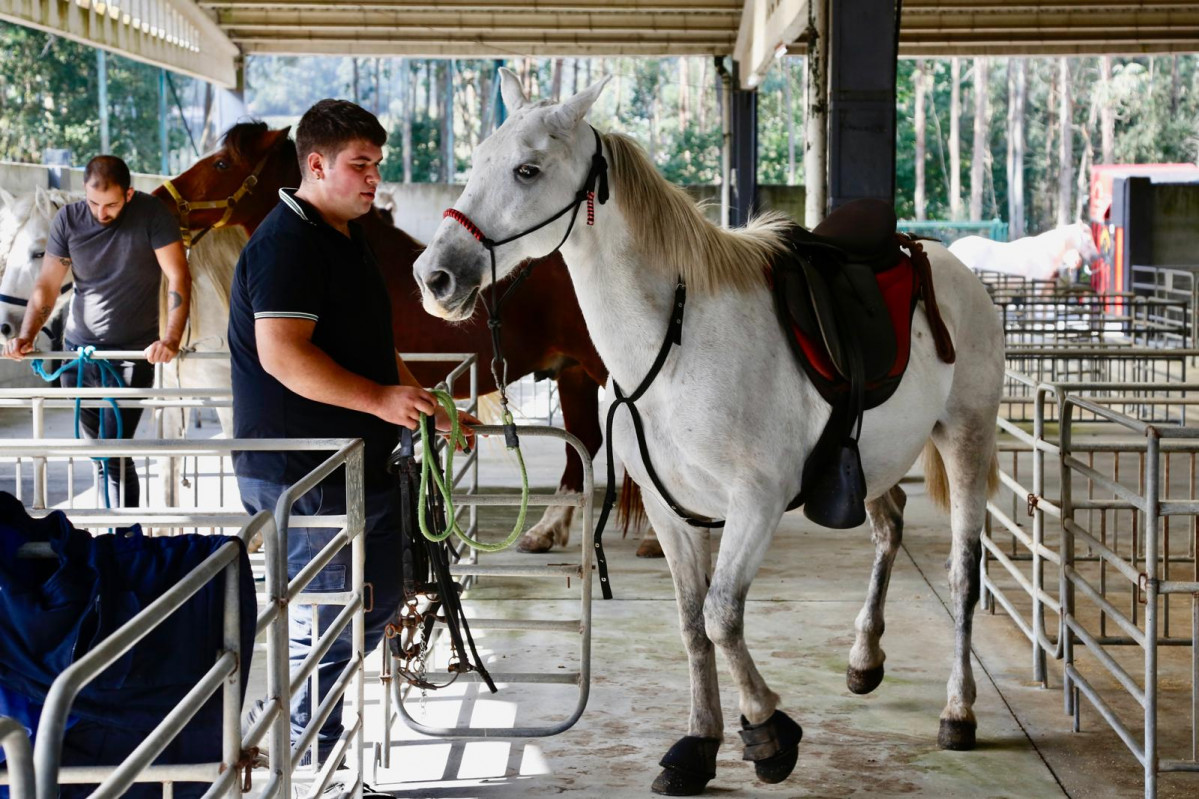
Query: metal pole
point(162, 120)
point(726, 142)
point(1153, 492)
point(815, 148)
point(102, 81)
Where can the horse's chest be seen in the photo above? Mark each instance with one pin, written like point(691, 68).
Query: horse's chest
point(674, 443)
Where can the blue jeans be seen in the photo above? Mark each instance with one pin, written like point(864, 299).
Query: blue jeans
point(383, 549)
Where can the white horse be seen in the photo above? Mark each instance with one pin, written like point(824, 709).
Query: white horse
point(730, 418)
point(24, 228)
point(1060, 252)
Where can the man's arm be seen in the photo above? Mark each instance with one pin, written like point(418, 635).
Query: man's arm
point(286, 352)
point(173, 262)
point(41, 305)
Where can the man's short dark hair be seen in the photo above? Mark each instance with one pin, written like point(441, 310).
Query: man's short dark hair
point(105, 171)
point(330, 125)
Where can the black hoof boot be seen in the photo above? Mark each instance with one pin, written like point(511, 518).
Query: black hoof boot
point(773, 746)
point(687, 767)
point(863, 682)
point(956, 735)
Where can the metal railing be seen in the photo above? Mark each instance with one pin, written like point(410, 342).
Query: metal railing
point(273, 620)
point(1137, 574)
point(469, 569)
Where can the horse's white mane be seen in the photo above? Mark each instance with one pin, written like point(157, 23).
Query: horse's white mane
point(674, 234)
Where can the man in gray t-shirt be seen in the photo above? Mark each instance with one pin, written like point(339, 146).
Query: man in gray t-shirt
point(118, 244)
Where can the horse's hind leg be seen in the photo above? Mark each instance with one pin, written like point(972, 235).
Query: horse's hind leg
point(691, 761)
point(967, 453)
point(865, 670)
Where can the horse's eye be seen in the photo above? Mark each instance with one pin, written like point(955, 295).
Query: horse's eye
point(527, 171)
point(221, 163)
point(37, 256)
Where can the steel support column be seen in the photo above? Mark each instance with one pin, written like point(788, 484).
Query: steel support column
point(744, 161)
point(861, 137)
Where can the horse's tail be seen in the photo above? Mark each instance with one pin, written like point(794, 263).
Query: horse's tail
point(630, 512)
point(937, 482)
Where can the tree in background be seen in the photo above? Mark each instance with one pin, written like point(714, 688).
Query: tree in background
point(49, 99)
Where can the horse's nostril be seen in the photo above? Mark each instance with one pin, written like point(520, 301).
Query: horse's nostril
point(440, 284)
point(5, 330)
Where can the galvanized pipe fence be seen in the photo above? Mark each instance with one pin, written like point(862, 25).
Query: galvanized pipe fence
point(1069, 549)
point(224, 675)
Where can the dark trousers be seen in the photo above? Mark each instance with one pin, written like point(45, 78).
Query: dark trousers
point(134, 374)
point(383, 542)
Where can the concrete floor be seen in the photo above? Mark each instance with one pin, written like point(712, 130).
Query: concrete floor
point(800, 627)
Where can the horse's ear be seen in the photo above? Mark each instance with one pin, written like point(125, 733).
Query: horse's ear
point(42, 201)
point(6, 199)
point(511, 91)
point(568, 115)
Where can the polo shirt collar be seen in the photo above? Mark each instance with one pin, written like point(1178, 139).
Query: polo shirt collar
point(307, 212)
point(302, 208)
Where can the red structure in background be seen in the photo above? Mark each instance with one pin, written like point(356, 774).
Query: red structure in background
point(1114, 218)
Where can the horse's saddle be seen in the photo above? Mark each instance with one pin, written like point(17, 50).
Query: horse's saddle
point(845, 294)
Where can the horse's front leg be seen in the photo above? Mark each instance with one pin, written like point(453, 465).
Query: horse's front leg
point(691, 761)
point(866, 658)
point(771, 738)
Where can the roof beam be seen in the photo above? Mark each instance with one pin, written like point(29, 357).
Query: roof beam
point(768, 28)
point(173, 34)
point(479, 49)
point(727, 8)
point(403, 23)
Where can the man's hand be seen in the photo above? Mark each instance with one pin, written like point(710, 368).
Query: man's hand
point(403, 405)
point(162, 351)
point(442, 423)
point(18, 348)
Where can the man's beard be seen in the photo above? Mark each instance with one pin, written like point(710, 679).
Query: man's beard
point(115, 219)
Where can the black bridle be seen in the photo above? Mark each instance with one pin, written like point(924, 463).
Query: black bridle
point(594, 188)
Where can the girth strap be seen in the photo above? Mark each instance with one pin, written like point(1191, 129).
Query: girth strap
point(674, 336)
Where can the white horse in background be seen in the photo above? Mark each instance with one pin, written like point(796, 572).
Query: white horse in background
point(1058, 253)
point(24, 229)
point(730, 418)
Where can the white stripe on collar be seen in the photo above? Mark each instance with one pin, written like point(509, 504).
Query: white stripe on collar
point(293, 205)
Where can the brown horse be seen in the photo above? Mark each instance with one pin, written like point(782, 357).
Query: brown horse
point(543, 333)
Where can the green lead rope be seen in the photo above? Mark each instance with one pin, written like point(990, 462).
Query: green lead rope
point(444, 481)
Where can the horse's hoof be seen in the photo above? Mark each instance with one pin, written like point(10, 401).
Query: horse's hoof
point(650, 548)
point(863, 681)
point(687, 767)
point(957, 736)
point(534, 543)
point(672, 782)
point(773, 746)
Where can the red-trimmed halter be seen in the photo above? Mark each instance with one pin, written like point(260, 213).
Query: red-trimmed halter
point(594, 187)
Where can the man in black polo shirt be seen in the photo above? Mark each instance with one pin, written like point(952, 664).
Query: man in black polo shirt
point(313, 357)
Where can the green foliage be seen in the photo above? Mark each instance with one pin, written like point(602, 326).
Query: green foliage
point(49, 99)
